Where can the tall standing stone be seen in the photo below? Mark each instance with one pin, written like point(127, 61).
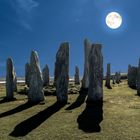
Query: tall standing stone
point(107, 84)
point(87, 48)
point(36, 93)
point(95, 91)
point(62, 72)
point(10, 79)
point(76, 76)
point(27, 74)
point(138, 79)
point(45, 73)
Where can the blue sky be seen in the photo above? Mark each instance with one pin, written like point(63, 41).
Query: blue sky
point(42, 25)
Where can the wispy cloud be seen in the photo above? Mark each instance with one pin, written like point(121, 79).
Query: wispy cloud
point(24, 10)
point(27, 5)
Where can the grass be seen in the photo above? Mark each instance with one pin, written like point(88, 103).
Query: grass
point(121, 116)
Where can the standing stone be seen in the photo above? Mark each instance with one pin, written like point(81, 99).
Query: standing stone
point(36, 93)
point(113, 79)
point(107, 84)
point(119, 76)
point(15, 81)
point(133, 77)
point(87, 48)
point(27, 74)
point(95, 91)
point(138, 79)
point(117, 79)
point(77, 79)
point(10, 79)
point(45, 73)
point(62, 72)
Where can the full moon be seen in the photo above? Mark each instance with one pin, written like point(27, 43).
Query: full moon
point(113, 20)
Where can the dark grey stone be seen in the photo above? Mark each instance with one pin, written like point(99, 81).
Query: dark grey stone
point(76, 76)
point(107, 84)
point(10, 79)
point(87, 48)
point(45, 73)
point(95, 91)
point(62, 72)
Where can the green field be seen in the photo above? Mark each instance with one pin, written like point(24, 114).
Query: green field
point(19, 120)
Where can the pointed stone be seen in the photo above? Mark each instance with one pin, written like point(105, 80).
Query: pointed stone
point(107, 84)
point(27, 74)
point(87, 48)
point(36, 93)
point(62, 72)
point(76, 76)
point(45, 73)
point(10, 79)
point(95, 90)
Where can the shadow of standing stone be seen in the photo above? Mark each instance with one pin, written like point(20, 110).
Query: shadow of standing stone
point(89, 120)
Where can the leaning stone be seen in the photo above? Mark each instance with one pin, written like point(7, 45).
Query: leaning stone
point(45, 74)
point(36, 93)
point(95, 91)
point(76, 76)
point(87, 48)
point(62, 72)
point(10, 79)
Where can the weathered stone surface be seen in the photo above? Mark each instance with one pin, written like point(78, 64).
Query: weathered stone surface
point(117, 79)
point(95, 91)
point(107, 84)
point(76, 76)
point(45, 73)
point(36, 93)
point(27, 74)
point(132, 75)
point(62, 72)
point(15, 81)
point(87, 48)
point(9, 79)
point(138, 79)
point(113, 79)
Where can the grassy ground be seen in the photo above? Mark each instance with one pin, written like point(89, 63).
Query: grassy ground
point(19, 120)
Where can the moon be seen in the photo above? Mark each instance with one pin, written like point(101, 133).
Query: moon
point(113, 20)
